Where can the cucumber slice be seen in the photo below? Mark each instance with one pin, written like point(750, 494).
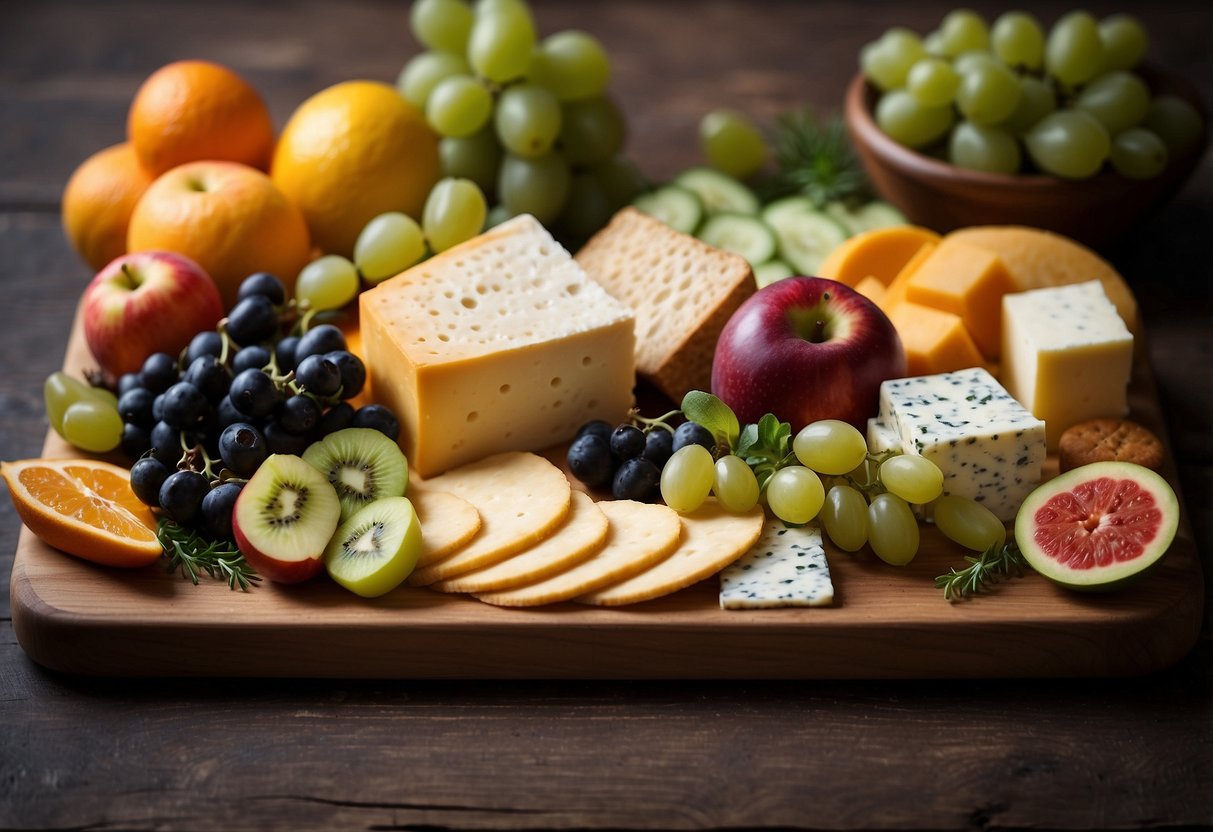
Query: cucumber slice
point(718, 191)
point(806, 236)
point(866, 217)
point(677, 207)
point(741, 234)
point(778, 211)
point(770, 271)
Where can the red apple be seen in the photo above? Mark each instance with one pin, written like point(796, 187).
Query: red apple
point(806, 348)
point(147, 302)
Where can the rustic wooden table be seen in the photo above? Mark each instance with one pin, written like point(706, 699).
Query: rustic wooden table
point(81, 753)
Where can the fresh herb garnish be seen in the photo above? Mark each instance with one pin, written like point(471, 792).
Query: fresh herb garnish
point(193, 554)
point(990, 567)
point(815, 159)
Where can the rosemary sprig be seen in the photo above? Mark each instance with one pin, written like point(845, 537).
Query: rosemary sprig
point(192, 554)
point(815, 158)
point(989, 567)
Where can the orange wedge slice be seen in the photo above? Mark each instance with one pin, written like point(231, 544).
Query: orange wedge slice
point(85, 508)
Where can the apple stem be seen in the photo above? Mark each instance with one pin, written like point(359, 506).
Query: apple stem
point(819, 331)
point(130, 276)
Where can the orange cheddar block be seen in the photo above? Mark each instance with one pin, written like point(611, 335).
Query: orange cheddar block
point(880, 253)
point(895, 293)
point(968, 281)
point(934, 341)
point(872, 288)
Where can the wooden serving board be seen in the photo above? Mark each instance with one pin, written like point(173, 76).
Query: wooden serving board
point(77, 617)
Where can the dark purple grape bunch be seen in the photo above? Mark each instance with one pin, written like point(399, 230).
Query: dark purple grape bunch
point(261, 383)
point(627, 459)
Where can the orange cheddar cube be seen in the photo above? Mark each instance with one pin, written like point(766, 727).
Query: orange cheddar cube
point(872, 288)
point(968, 281)
point(880, 253)
point(934, 341)
point(895, 293)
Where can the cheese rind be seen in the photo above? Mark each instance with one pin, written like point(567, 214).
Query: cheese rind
point(1067, 355)
point(989, 448)
point(786, 567)
point(501, 343)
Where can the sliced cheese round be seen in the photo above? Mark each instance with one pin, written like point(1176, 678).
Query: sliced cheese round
point(447, 522)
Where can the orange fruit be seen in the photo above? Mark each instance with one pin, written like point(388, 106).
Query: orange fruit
point(98, 201)
point(85, 508)
point(226, 217)
point(350, 153)
point(188, 111)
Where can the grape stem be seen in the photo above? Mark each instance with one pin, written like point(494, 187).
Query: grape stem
point(661, 421)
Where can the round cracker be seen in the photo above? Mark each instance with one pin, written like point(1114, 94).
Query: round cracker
point(520, 497)
point(640, 534)
point(712, 538)
point(447, 522)
point(584, 532)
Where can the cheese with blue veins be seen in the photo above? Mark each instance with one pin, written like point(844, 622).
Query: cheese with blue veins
point(785, 568)
point(988, 446)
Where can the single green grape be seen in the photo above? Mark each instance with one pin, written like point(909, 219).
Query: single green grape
point(1124, 42)
point(988, 94)
point(1069, 143)
point(906, 121)
point(527, 120)
point(1074, 51)
point(1036, 100)
point(501, 43)
point(844, 516)
point(914, 479)
point(454, 213)
point(887, 62)
point(830, 446)
point(591, 131)
point(1018, 40)
point(795, 494)
point(933, 43)
point(573, 65)
point(1119, 100)
point(92, 425)
point(328, 282)
point(731, 143)
point(536, 186)
point(966, 62)
point(933, 82)
point(389, 244)
point(1175, 121)
point(476, 157)
point(1138, 153)
point(892, 530)
point(60, 391)
point(968, 523)
point(687, 478)
point(736, 486)
point(420, 75)
point(963, 30)
point(458, 106)
point(442, 24)
point(621, 180)
point(989, 149)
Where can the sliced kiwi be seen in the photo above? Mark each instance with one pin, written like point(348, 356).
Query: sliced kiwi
point(362, 465)
point(376, 549)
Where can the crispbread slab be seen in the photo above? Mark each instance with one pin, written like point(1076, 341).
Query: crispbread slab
point(712, 538)
point(640, 535)
point(447, 521)
point(785, 568)
point(583, 533)
point(682, 291)
point(521, 497)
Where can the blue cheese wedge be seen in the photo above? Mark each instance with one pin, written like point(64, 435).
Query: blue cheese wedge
point(881, 437)
point(988, 446)
point(785, 568)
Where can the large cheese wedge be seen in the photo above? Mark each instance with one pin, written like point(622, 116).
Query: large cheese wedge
point(682, 290)
point(501, 343)
point(934, 341)
point(1037, 259)
point(1067, 355)
point(880, 253)
point(968, 281)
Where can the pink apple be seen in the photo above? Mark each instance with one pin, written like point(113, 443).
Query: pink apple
point(806, 348)
point(147, 302)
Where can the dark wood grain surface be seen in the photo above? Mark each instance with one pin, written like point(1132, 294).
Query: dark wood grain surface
point(247, 754)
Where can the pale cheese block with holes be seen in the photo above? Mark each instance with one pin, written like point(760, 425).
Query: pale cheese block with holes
point(501, 343)
point(682, 290)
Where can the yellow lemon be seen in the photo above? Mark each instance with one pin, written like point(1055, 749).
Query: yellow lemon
point(350, 153)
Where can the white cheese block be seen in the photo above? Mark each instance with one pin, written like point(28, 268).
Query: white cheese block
point(988, 446)
point(1067, 355)
point(881, 437)
point(502, 343)
point(785, 568)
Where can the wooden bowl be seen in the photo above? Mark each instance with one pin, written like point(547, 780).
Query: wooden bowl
point(940, 196)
